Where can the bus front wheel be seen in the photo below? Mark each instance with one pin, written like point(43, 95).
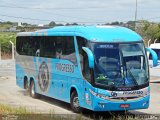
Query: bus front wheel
point(75, 102)
point(33, 94)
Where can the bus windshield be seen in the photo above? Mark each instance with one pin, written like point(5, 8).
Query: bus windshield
point(120, 65)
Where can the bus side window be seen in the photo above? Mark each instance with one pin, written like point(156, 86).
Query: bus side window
point(33, 45)
point(24, 45)
point(58, 47)
point(47, 48)
point(69, 49)
point(86, 70)
point(28, 45)
point(36, 46)
point(19, 45)
point(81, 42)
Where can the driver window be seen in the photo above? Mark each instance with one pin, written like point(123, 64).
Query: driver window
point(81, 42)
point(86, 70)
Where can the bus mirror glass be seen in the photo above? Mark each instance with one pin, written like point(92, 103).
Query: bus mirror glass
point(90, 56)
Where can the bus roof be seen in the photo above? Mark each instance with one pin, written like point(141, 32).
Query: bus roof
point(92, 33)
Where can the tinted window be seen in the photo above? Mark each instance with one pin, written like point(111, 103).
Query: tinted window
point(19, 45)
point(47, 47)
point(61, 47)
point(68, 50)
point(81, 43)
point(28, 45)
point(86, 70)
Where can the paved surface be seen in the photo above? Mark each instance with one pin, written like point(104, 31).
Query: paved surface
point(154, 71)
point(154, 98)
point(14, 96)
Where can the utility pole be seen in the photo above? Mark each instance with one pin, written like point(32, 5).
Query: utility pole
point(0, 51)
point(135, 17)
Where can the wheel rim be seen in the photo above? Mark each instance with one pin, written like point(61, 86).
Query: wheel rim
point(75, 102)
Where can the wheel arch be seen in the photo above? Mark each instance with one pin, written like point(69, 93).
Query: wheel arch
point(74, 88)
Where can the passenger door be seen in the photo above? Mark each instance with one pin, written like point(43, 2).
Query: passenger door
point(86, 74)
point(87, 81)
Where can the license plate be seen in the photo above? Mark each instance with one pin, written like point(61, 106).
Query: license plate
point(124, 105)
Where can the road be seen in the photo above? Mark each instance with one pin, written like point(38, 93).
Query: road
point(13, 95)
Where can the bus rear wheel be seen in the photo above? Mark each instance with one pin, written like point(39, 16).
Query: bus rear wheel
point(26, 84)
point(75, 103)
point(33, 94)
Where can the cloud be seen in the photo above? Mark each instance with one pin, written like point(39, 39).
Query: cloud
point(94, 10)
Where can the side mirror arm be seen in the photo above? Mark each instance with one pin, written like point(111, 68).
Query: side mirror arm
point(90, 56)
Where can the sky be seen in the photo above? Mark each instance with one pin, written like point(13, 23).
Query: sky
point(79, 11)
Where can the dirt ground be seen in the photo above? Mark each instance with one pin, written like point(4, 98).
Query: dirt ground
point(11, 94)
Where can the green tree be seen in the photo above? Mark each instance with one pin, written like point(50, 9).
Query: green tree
point(4, 41)
point(115, 23)
point(52, 24)
point(152, 31)
point(148, 30)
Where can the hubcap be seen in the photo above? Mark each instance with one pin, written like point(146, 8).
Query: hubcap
point(75, 102)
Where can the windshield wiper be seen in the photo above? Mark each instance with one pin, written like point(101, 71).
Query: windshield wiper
point(127, 69)
point(135, 81)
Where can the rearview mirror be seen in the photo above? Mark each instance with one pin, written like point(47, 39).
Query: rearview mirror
point(90, 56)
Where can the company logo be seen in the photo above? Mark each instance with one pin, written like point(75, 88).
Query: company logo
point(43, 77)
point(133, 92)
point(64, 67)
point(113, 94)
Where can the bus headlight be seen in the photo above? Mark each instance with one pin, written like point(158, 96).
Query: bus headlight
point(98, 95)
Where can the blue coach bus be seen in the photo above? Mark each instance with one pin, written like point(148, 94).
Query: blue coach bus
point(101, 68)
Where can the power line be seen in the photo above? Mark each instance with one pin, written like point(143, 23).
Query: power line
point(51, 13)
point(7, 6)
point(43, 10)
point(40, 10)
point(24, 18)
point(28, 18)
point(49, 20)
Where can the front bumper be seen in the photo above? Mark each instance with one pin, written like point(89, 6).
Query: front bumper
point(106, 105)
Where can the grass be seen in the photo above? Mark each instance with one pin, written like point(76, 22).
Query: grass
point(123, 117)
point(7, 36)
point(5, 45)
point(5, 26)
point(6, 109)
point(21, 113)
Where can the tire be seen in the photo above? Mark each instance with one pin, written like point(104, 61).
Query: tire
point(75, 102)
point(26, 84)
point(32, 92)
